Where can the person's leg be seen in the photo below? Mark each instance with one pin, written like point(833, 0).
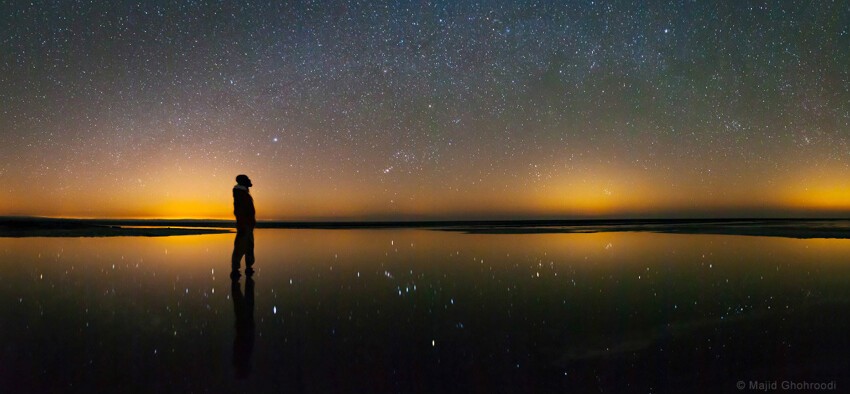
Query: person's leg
point(238, 250)
point(249, 249)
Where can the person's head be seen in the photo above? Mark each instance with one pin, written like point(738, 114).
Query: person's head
point(243, 180)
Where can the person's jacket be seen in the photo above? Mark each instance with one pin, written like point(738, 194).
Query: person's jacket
point(243, 208)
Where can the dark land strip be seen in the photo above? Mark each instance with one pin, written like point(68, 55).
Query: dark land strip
point(789, 228)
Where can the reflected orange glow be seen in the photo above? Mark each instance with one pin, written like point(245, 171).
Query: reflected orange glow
point(277, 248)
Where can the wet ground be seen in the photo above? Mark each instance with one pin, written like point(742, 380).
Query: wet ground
point(423, 311)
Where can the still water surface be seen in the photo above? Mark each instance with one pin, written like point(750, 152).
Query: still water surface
point(421, 311)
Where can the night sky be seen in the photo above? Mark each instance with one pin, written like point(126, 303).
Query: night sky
point(425, 110)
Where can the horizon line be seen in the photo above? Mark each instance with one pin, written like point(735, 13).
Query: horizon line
point(430, 220)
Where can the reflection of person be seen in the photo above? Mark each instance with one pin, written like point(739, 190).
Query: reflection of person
point(243, 342)
point(243, 209)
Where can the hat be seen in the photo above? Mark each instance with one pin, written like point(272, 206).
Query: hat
point(243, 180)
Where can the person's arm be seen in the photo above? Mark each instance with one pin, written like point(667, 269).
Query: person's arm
point(252, 213)
point(243, 209)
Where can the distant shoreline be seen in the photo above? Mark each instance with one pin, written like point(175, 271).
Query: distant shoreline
point(787, 228)
point(790, 228)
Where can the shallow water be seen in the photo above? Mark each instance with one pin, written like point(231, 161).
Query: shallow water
point(422, 311)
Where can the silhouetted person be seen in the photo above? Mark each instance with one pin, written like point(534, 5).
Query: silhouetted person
point(243, 343)
point(243, 209)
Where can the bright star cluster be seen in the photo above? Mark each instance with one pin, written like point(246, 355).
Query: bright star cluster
point(420, 110)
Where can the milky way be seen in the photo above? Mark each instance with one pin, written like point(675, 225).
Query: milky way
point(356, 110)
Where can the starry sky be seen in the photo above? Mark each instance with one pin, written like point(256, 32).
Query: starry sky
point(359, 110)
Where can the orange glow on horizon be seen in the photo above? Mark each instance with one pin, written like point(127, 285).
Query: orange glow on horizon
point(827, 197)
point(605, 191)
point(818, 189)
